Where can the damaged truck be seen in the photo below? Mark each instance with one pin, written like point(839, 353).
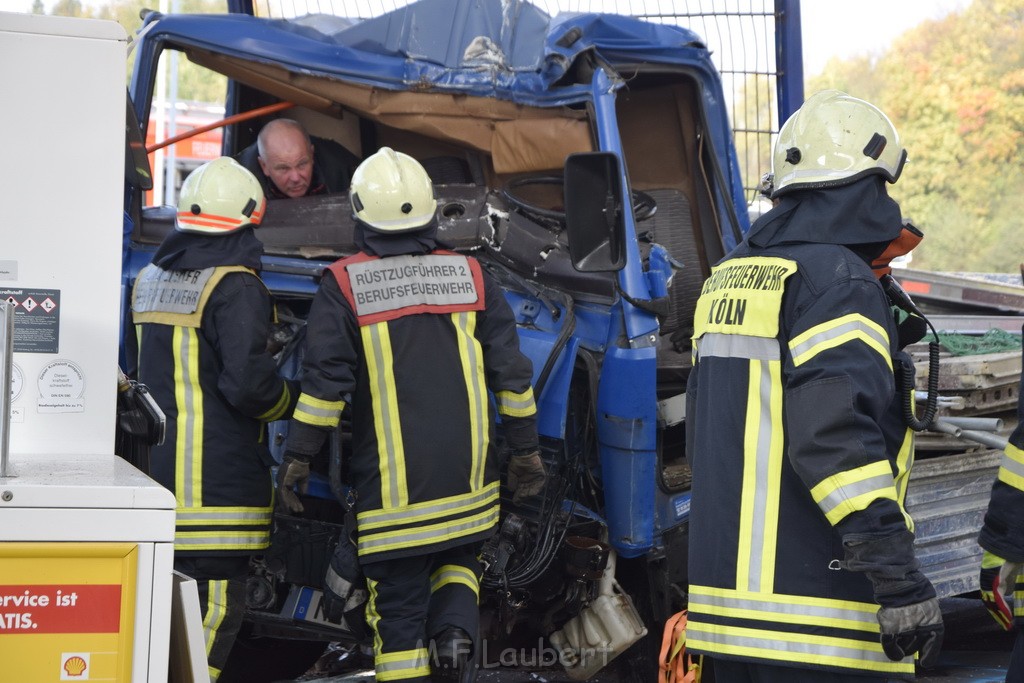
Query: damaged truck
point(588, 161)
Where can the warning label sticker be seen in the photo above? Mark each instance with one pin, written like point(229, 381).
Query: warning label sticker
point(36, 319)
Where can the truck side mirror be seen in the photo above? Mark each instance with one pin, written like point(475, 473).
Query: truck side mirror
point(594, 215)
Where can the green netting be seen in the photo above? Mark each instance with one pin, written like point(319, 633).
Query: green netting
point(993, 341)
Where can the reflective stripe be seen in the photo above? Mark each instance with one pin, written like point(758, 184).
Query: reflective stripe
point(1011, 467)
point(904, 463)
point(787, 609)
point(318, 412)
point(718, 345)
point(223, 515)
point(454, 573)
point(396, 666)
point(221, 540)
point(792, 647)
point(833, 333)
point(277, 411)
point(372, 615)
point(762, 471)
point(338, 584)
point(427, 535)
point(451, 505)
point(188, 398)
point(516, 405)
point(853, 490)
point(471, 358)
point(216, 610)
point(386, 423)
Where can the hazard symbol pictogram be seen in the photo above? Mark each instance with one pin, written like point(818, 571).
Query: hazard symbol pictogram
point(29, 304)
point(48, 305)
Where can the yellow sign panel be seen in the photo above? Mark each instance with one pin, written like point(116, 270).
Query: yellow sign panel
point(67, 611)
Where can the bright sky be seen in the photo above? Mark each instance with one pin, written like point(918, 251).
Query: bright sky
point(841, 29)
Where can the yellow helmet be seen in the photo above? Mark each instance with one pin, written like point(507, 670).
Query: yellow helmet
point(392, 193)
point(834, 139)
point(220, 197)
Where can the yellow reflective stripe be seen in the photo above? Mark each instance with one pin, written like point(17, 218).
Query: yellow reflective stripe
point(386, 423)
point(426, 535)
point(904, 463)
point(317, 411)
point(762, 472)
point(373, 616)
point(792, 647)
point(853, 490)
point(396, 666)
point(223, 515)
point(277, 411)
point(216, 610)
point(188, 398)
point(1011, 468)
point(430, 509)
point(454, 573)
point(833, 333)
point(221, 540)
point(782, 608)
point(472, 360)
point(516, 405)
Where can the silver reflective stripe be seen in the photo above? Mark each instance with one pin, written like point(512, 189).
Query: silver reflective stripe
point(382, 395)
point(738, 346)
point(771, 642)
point(882, 484)
point(762, 456)
point(768, 610)
point(477, 397)
point(836, 332)
point(189, 459)
point(1011, 465)
point(222, 516)
point(338, 585)
point(443, 506)
point(227, 540)
point(411, 538)
point(509, 403)
point(417, 659)
point(323, 413)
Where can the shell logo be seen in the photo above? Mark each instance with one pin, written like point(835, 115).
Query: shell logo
point(75, 666)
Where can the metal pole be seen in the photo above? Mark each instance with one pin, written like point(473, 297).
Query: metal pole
point(981, 424)
point(6, 377)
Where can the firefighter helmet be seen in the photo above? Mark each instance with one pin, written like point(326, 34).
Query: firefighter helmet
point(392, 193)
point(219, 197)
point(834, 139)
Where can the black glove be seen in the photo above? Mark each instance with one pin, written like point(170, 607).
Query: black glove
point(526, 475)
point(294, 469)
point(345, 594)
point(910, 618)
point(912, 628)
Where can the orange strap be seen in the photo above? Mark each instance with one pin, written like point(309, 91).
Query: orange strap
point(674, 664)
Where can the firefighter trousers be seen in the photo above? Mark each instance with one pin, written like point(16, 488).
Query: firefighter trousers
point(727, 671)
point(221, 584)
point(415, 599)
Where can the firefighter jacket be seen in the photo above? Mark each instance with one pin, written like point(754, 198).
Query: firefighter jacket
point(414, 342)
point(204, 317)
point(795, 439)
point(1003, 531)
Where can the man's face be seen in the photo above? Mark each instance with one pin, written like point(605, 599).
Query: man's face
point(288, 162)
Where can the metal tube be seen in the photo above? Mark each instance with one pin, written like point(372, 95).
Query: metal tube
point(981, 424)
point(944, 428)
point(6, 379)
point(984, 438)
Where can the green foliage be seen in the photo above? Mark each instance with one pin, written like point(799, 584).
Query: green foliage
point(954, 88)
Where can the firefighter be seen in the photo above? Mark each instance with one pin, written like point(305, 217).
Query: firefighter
point(1002, 539)
point(801, 561)
point(412, 337)
point(204, 317)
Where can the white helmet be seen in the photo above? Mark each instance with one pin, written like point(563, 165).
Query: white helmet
point(220, 197)
point(834, 139)
point(392, 193)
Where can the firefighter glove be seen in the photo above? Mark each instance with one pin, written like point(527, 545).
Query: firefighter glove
point(526, 475)
point(912, 628)
point(293, 471)
point(998, 580)
point(345, 593)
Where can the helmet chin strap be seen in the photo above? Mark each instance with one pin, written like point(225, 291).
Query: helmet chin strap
point(904, 243)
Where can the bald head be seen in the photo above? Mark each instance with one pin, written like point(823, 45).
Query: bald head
point(286, 156)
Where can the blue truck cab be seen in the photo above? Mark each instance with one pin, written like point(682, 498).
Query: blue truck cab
point(587, 161)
